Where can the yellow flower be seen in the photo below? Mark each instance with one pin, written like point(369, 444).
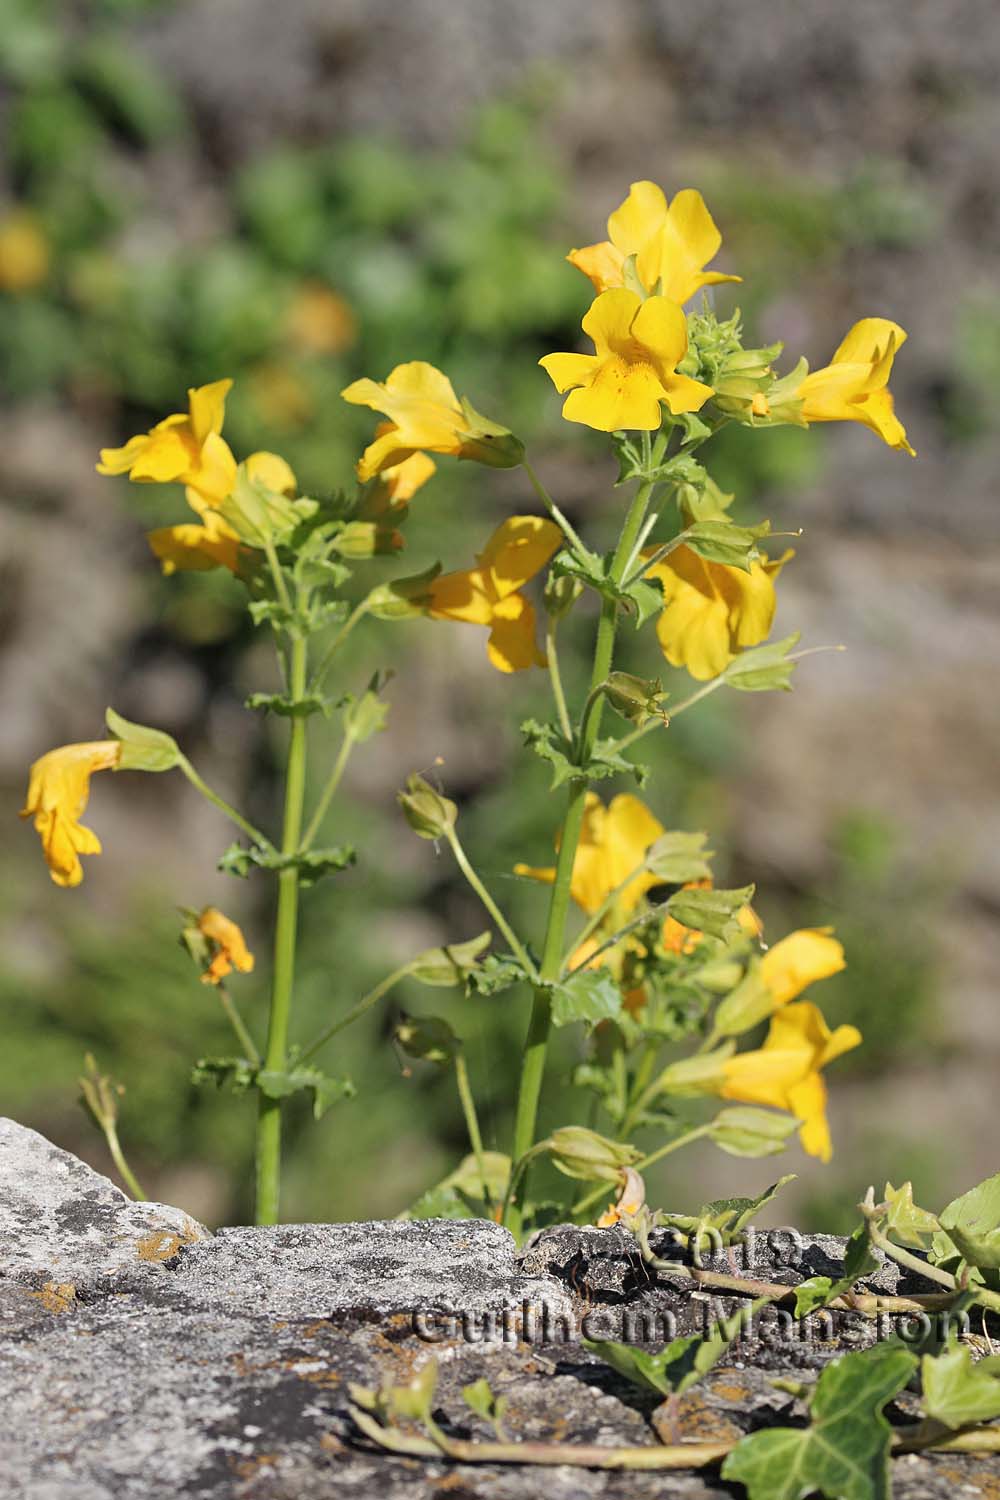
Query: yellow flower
point(490, 593)
point(785, 1072)
point(398, 483)
point(228, 944)
point(24, 252)
point(799, 960)
point(672, 243)
point(712, 611)
point(638, 347)
point(186, 448)
point(319, 321)
point(854, 387)
point(425, 415)
point(58, 789)
point(214, 544)
point(613, 843)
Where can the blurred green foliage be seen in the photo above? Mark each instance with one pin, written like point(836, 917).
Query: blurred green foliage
point(308, 266)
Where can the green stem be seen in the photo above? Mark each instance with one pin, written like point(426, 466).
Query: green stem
point(462, 860)
point(602, 911)
point(471, 1119)
point(236, 1021)
point(277, 575)
point(540, 1023)
point(329, 791)
point(118, 1157)
point(553, 509)
point(517, 1171)
point(904, 1258)
point(183, 764)
point(358, 613)
point(372, 998)
point(647, 1161)
point(286, 925)
point(555, 677)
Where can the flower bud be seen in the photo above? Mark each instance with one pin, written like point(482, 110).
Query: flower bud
point(404, 598)
point(487, 442)
point(428, 813)
point(587, 1156)
point(428, 1038)
point(635, 699)
point(142, 749)
point(358, 539)
point(448, 966)
point(561, 593)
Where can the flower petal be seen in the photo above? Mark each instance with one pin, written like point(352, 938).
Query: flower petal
point(566, 370)
point(621, 395)
point(602, 263)
point(517, 550)
point(609, 318)
point(512, 646)
point(207, 405)
point(641, 216)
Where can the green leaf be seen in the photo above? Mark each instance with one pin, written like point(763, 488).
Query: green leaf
point(550, 744)
point(972, 1221)
point(496, 973)
point(463, 1193)
point(679, 858)
point(722, 541)
point(449, 965)
point(764, 669)
point(958, 1390)
point(365, 716)
point(312, 865)
point(820, 1291)
point(280, 1084)
point(683, 1362)
point(235, 1073)
point(289, 708)
point(479, 1398)
point(643, 599)
point(590, 995)
point(844, 1453)
point(745, 1131)
point(711, 911)
point(142, 749)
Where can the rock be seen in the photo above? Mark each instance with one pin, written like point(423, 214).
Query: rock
point(63, 1224)
point(223, 1371)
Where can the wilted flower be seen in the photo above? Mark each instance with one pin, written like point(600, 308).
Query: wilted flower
point(490, 593)
point(227, 945)
point(58, 791)
point(671, 243)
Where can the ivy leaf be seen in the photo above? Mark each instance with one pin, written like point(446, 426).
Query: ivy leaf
point(710, 911)
point(722, 541)
point(844, 1452)
point(819, 1291)
point(734, 1214)
point(765, 669)
point(312, 865)
point(957, 1390)
point(972, 1222)
point(906, 1222)
point(289, 708)
point(590, 995)
point(683, 1362)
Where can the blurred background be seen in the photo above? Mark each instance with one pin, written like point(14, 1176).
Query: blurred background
point(298, 195)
